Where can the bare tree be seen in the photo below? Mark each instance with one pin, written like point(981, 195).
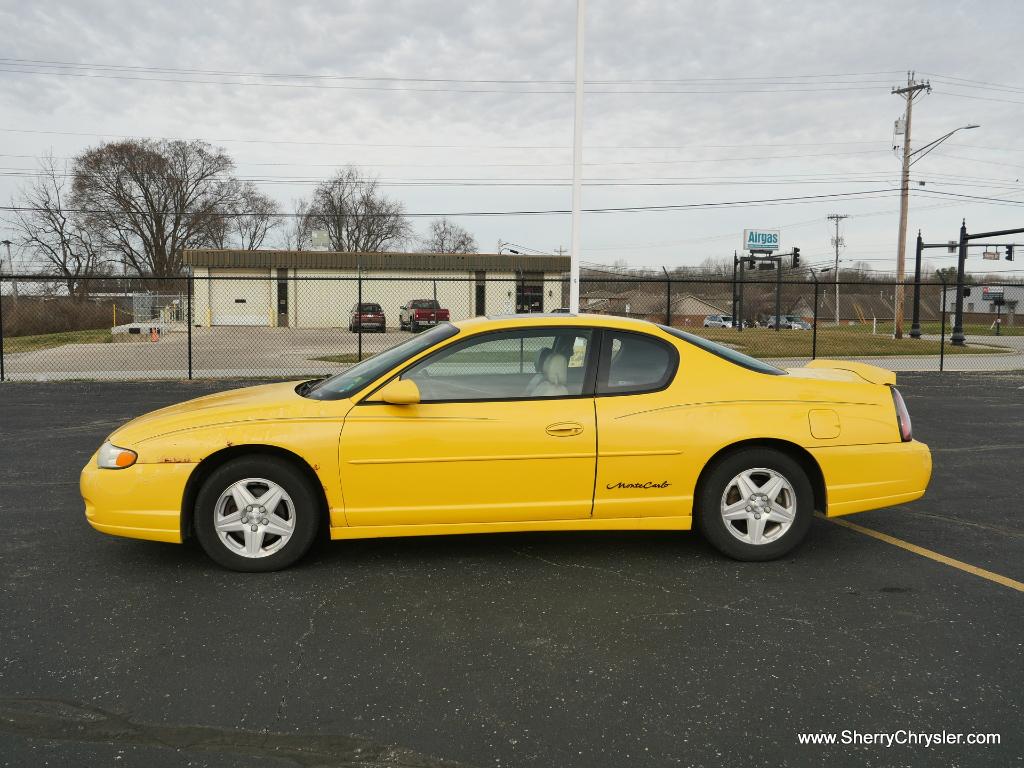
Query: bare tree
point(52, 230)
point(355, 215)
point(447, 237)
point(249, 216)
point(148, 199)
point(296, 234)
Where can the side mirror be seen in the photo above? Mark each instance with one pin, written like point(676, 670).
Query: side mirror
point(400, 392)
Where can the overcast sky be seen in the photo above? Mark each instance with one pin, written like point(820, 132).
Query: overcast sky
point(722, 102)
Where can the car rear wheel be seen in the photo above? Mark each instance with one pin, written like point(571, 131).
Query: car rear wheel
point(256, 514)
point(756, 504)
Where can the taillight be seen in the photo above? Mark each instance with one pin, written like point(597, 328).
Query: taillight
point(902, 415)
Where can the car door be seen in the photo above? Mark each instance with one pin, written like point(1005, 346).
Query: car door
point(505, 431)
point(641, 462)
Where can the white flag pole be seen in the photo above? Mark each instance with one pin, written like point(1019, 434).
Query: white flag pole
point(577, 165)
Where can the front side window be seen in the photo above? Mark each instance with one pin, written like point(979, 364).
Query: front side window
point(349, 382)
point(633, 363)
point(509, 365)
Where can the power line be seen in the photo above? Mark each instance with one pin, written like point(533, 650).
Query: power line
point(866, 194)
point(460, 147)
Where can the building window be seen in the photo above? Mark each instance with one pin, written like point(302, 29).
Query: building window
point(530, 292)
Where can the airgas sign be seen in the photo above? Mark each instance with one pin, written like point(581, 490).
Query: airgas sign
point(760, 239)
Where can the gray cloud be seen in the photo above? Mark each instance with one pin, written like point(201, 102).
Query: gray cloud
point(534, 40)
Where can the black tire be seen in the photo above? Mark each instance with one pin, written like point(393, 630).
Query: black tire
point(717, 482)
point(308, 511)
point(414, 326)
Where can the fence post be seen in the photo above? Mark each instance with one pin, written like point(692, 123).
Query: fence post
point(359, 310)
point(778, 294)
point(188, 318)
point(814, 326)
point(2, 374)
point(668, 298)
point(739, 302)
point(942, 339)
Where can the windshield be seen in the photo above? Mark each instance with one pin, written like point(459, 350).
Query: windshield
point(358, 376)
point(751, 363)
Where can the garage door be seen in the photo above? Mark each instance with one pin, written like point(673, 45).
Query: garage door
point(240, 301)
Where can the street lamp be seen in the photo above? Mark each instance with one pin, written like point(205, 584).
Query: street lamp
point(909, 158)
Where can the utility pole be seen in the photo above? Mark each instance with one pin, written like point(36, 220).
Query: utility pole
point(837, 241)
point(908, 92)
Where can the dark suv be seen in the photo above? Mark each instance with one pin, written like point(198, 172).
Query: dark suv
point(366, 317)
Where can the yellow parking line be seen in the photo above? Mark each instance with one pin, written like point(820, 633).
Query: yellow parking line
point(966, 567)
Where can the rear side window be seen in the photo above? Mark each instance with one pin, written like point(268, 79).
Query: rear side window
point(634, 362)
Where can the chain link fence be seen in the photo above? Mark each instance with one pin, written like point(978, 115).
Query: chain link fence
point(299, 327)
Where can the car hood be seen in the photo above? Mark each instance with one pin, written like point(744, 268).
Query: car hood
point(265, 402)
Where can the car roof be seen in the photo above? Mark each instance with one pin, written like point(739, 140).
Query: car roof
point(549, 319)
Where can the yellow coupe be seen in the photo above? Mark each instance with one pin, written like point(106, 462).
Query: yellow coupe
point(520, 423)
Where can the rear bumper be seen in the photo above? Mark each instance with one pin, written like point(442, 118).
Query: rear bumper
point(140, 502)
point(863, 477)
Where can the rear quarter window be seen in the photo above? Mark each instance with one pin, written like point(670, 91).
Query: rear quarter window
point(726, 353)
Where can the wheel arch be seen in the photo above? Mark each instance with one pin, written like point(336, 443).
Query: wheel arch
point(798, 453)
point(207, 466)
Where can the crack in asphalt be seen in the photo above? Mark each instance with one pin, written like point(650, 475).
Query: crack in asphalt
point(709, 607)
point(56, 719)
point(298, 646)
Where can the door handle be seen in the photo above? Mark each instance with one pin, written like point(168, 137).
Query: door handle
point(564, 429)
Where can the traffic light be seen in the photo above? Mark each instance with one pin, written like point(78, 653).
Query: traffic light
point(1009, 253)
point(796, 258)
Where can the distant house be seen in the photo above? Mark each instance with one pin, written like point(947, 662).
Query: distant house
point(983, 305)
point(858, 308)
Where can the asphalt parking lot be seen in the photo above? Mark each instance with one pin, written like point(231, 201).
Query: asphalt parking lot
point(563, 649)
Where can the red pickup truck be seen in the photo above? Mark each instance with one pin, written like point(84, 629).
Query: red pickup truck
point(421, 313)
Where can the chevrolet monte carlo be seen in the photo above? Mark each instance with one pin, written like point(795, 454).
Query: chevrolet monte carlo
point(520, 423)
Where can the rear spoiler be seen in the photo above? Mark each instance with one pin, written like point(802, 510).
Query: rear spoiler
point(870, 373)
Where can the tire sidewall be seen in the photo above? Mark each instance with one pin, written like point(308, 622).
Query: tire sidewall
point(308, 512)
point(709, 517)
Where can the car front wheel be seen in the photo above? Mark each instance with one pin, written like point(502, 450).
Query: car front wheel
point(256, 514)
point(756, 504)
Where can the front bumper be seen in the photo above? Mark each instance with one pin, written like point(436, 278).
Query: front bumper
point(863, 477)
point(140, 502)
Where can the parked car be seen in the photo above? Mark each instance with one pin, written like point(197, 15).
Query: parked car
point(421, 313)
point(789, 322)
point(718, 321)
point(563, 423)
point(367, 316)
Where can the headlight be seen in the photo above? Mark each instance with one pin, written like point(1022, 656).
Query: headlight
point(113, 457)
